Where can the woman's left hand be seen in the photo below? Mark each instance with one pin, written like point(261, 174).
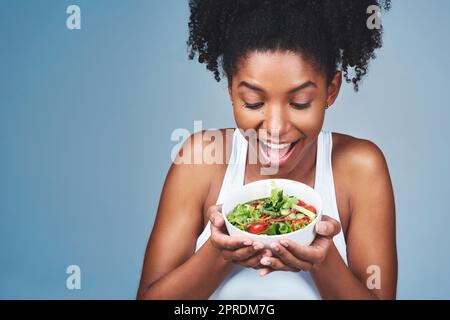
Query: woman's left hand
point(290, 256)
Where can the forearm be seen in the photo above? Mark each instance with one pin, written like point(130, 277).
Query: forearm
point(197, 278)
point(334, 279)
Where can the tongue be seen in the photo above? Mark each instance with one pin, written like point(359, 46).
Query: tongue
point(276, 154)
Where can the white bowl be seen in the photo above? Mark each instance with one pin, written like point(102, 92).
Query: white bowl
point(262, 188)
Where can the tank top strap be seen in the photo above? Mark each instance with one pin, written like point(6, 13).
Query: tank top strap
point(235, 173)
point(318, 181)
point(325, 181)
point(325, 186)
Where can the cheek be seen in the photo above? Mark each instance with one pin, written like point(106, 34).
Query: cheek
point(310, 121)
point(247, 119)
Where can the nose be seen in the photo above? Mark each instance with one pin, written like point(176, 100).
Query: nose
point(276, 120)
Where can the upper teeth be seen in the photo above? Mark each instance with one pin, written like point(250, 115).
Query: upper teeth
point(276, 146)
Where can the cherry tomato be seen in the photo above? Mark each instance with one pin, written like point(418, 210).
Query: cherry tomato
point(301, 203)
point(257, 227)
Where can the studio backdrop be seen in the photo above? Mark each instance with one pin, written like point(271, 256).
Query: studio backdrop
point(87, 112)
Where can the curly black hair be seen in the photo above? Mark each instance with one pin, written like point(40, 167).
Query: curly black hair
point(331, 34)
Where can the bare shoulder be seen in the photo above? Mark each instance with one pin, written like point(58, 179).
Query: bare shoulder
point(361, 176)
point(206, 149)
point(357, 157)
point(201, 157)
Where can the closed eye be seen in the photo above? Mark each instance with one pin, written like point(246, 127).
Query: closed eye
point(253, 106)
point(300, 106)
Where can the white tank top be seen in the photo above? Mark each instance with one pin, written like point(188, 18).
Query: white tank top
point(246, 283)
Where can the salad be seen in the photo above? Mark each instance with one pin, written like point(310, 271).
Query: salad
point(277, 214)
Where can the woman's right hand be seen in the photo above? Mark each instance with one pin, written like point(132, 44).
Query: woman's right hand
point(243, 251)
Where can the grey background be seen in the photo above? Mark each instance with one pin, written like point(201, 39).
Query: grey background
point(85, 124)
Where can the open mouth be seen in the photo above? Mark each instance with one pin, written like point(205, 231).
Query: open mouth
point(276, 153)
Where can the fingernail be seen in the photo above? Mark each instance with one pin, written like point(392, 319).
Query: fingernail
point(284, 243)
point(275, 247)
point(321, 227)
point(265, 261)
point(247, 242)
point(262, 273)
point(258, 246)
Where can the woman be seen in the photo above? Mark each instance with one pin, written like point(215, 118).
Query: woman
point(284, 61)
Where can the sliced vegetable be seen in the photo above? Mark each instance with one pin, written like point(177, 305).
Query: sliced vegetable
point(257, 227)
point(305, 211)
point(277, 214)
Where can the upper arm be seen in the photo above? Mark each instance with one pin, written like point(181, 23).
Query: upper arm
point(371, 240)
point(179, 218)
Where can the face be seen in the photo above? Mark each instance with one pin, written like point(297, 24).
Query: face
point(283, 97)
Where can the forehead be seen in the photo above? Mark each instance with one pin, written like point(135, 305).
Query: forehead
point(276, 69)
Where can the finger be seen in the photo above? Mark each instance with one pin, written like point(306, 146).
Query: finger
point(328, 227)
point(244, 253)
point(215, 215)
point(219, 238)
point(218, 224)
point(289, 258)
point(217, 220)
point(312, 254)
point(276, 264)
point(265, 271)
point(255, 261)
point(321, 242)
point(223, 241)
point(267, 253)
point(213, 209)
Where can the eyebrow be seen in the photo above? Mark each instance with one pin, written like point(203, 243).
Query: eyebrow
point(298, 88)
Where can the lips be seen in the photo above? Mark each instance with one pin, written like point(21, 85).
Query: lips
point(277, 153)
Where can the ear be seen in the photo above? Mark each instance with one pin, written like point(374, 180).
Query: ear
point(334, 87)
